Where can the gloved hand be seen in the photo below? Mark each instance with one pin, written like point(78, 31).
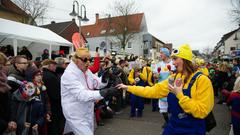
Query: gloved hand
point(108, 92)
point(106, 74)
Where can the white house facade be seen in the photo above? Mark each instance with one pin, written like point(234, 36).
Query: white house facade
point(229, 45)
point(99, 35)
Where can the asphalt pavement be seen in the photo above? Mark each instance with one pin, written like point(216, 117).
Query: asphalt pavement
point(151, 123)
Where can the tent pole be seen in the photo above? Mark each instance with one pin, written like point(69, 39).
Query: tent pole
point(15, 47)
point(71, 50)
point(50, 51)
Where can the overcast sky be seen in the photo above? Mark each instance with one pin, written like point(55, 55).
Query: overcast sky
point(200, 23)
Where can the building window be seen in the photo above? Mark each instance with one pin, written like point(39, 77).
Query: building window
point(129, 45)
point(232, 48)
point(238, 46)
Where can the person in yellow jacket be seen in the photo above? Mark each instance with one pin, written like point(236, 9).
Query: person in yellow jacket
point(190, 100)
point(137, 77)
point(203, 68)
point(200, 65)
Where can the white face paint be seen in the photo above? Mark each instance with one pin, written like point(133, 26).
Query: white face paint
point(29, 89)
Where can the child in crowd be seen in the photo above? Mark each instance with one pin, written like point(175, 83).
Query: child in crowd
point(39, 86)
point(27, 109)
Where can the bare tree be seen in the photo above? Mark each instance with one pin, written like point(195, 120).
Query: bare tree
point(235, 12)
point(35, 8)
point(207, 51)
point(123, 24)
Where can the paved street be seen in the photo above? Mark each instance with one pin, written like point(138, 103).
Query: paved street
point(151, 122)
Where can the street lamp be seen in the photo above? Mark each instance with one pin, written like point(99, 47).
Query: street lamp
point(79, 14)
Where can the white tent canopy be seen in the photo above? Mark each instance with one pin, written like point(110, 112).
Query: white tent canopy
point(35, 38)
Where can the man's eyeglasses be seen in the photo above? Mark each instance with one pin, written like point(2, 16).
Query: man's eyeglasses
point(84, 59)
point(25, 63)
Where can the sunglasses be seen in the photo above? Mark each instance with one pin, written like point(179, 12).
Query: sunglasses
point(85, 60)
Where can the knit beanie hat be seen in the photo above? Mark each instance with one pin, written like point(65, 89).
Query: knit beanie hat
point(36, 72)
point(184, 51)
point(165, 51)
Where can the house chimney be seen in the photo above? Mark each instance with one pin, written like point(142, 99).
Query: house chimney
point(97, 18)
point(52, 22)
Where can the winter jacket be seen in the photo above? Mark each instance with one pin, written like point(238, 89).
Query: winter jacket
point(15, 75)
point(30, 111)
point(52, 82)
point(5, 99)
point(96, 65)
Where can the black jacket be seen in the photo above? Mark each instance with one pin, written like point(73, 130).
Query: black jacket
point(52, 82)
point(27, 53)
point(4, 110)
point(60, 71)
point(26, 111)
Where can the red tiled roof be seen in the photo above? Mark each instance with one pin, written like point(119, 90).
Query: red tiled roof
point(134, 23)
point(9, 6)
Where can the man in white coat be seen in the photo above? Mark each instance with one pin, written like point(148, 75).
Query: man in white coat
point(78, 94)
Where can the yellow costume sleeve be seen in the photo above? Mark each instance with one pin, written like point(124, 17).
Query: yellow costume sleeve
point(202, 100)
point(131, 77)
point(143, 75)
point(159, 90)
point(150, 83)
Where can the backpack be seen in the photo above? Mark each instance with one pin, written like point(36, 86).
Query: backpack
point(210, 120)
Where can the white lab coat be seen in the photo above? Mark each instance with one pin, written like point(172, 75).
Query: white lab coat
point(77, 98)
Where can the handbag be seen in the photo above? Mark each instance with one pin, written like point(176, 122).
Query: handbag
point(210, 122)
